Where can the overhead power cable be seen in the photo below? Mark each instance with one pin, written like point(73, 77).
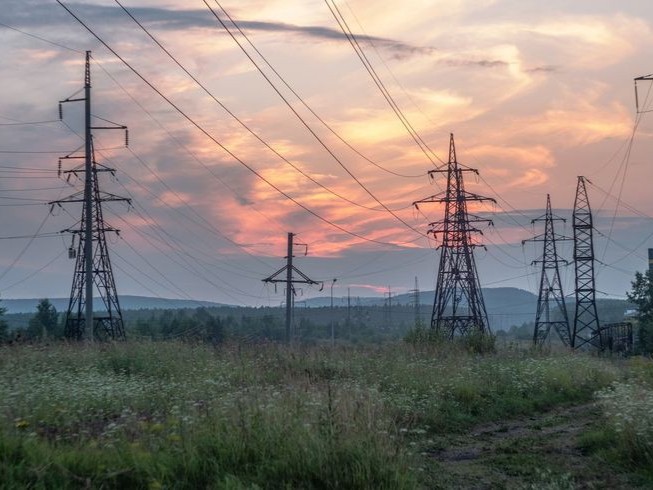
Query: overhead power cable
point(370, 40)
point(217, 142)
point(307, 106)
point(237, 119)
point(623, 168)
point(41, 38)
point(351, 37)
point(206, 224)
point(29, 123)
point(181, 145)
point(35, 272)
point(26, 247)
point(307, 126)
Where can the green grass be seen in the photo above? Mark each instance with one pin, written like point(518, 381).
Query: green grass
point(625, 438)
point(176, 415)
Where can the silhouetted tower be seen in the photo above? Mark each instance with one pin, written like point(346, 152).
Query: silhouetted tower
point(586, 318)
point(458, 307)
point(290, 281)
point(92, 264)
point(416, 304)
point(550, 285)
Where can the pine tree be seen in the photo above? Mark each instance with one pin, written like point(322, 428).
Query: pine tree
point(641, 296)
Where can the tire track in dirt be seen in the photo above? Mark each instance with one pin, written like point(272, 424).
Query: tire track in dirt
point(538, 451)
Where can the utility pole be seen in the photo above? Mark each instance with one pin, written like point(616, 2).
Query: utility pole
point(289, 268)
point(550, 284)
point(349, 311)
point(416, 305)
point(586, 319)
point(333, 331)
point(458, 307)
point(92, 265)
point(388, 307)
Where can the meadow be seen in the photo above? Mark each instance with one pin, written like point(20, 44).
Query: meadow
point(182, 415)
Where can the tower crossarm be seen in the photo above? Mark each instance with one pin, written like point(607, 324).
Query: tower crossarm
point(304, 278)
point(447, 170)
point(543, 237)
point(437, 198)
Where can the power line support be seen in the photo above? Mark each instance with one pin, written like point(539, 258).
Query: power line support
point(92, 263)
point(289, 268)
point(416, 304)
point(550, 284)
point(586, 319)
point(458, 307)
point(645, 78)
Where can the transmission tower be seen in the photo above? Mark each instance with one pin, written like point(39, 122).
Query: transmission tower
point(550, 285)
point(458, 307)
point(92, 264)
point(416, 304)
point(290, 281)
point(586, 318)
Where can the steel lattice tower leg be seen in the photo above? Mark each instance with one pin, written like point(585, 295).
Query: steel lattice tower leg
point(586, 319)
point(92, 263)
point(550, 285)
point(458, 307)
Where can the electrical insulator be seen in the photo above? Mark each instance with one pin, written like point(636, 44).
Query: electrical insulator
point(60, 111)
point(126, 137)
point(59, 168)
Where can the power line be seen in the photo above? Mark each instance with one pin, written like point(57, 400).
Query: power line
point(183, 257)
point(237, 119)
point(41, 38)
point(34, 273)
point(29, 123)
point(207, 226)
point(185, 148)
point(335, 11)
point(307, 126)
point(214, 140)
point(26, 247)
point(305, 104)
point(370, 41)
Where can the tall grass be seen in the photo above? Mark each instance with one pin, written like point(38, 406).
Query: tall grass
point(190, 416)
point(628, 409)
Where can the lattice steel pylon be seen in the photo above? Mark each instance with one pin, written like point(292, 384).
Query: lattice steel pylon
point(550, 284)
point(458, 306)
point(92, 263)
point(586, 319)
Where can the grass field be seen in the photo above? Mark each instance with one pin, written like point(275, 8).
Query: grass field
point(176, 415)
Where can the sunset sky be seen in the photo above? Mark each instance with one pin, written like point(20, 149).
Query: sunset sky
point(536, 93)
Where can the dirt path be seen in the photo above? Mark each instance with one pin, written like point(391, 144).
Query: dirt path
point(538, 452)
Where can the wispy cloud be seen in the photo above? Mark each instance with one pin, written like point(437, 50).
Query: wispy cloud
point(19, 15)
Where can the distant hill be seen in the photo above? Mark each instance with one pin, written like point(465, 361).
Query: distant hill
point(505, 306)
point(126, 303)
point(494, 297)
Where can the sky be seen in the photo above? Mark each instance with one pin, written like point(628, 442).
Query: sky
point(536, 94)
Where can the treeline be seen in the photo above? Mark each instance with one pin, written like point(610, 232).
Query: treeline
point(44, 324)
point(355, 324)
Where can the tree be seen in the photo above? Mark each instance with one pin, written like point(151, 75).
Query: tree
point(44, 323)
point(641, 296)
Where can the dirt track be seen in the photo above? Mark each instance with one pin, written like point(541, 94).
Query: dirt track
point(531, 452)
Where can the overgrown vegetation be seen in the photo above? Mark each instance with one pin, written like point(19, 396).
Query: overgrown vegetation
point(183, 415)
point(641, 295)
point(625, 438)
